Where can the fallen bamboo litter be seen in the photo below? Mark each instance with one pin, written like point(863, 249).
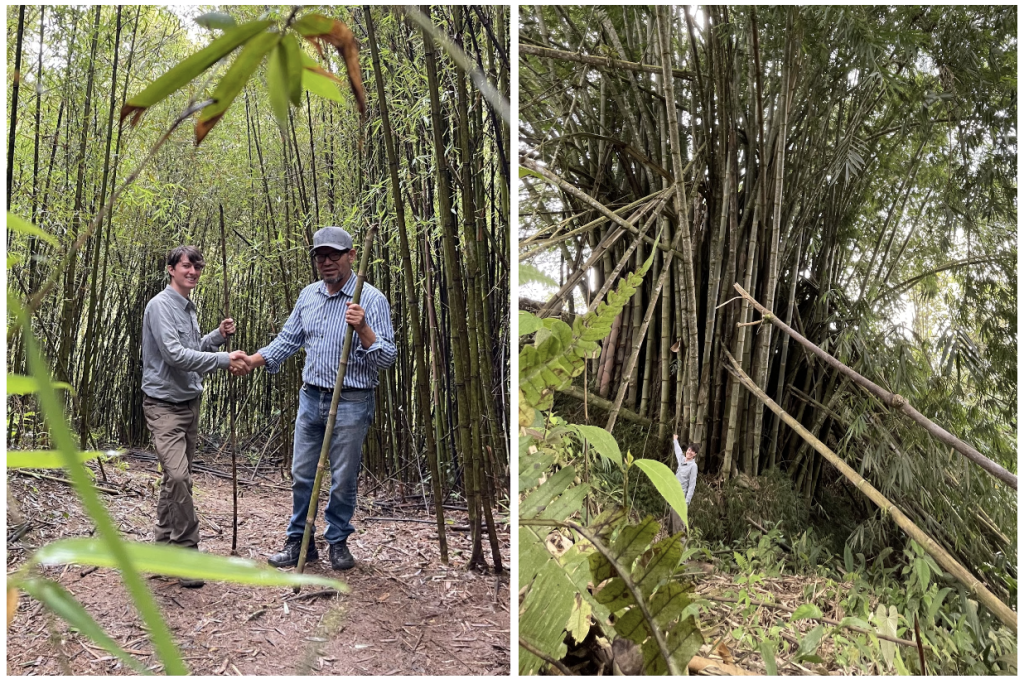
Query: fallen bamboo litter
point(888, 398)
point(974, 586)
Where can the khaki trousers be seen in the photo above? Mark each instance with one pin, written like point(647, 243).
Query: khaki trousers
point(175, 429)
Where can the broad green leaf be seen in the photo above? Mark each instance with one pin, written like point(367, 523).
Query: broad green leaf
point(234, 80)
point(672, 603)
point(807, 651)
point(277, 87)
point(60, 602)
point(176, 562)
point(578, 625)
point(533, 554)
point(528, 323)
point(523, 171)
point(667, 485)
point(767, 649)
point(544, 614)
point(191, 67)
point(45, 459)
point(855, 622)
point(601, 440)
point(807, 610)
point(313, 25)
point(20, 225)
point(216, 20)
point(528, 273)
point(292, 55)
point(26, 384)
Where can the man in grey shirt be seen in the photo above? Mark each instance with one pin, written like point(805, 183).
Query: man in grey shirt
point(174, 359)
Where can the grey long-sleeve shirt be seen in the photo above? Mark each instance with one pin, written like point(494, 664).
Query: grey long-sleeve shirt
point(686, 471)
point(174, 358)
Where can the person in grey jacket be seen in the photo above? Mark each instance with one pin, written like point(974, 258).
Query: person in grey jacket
point(174, 359)
point(686, 469)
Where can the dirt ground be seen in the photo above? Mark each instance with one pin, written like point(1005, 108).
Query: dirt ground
point(406, 613)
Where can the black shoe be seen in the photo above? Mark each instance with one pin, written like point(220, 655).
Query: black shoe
point(341, 558)
point(289, 556)
point(191, 583)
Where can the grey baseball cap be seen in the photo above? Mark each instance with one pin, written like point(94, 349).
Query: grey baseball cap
point(332, 236)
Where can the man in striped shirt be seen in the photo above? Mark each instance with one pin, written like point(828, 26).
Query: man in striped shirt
point(322, 313)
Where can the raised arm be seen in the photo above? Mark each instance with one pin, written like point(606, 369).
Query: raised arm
point(678, 450)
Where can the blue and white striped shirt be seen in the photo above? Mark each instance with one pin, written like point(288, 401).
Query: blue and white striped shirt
point(318, 323)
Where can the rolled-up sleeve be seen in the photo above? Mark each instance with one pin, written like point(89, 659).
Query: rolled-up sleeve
point(288, 341)
point(383, 352)
point(174, 354)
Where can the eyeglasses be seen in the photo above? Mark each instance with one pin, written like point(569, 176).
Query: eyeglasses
point(333, 256)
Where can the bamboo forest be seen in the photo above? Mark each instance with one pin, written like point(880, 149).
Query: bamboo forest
point(375, 139)
point(767, 340)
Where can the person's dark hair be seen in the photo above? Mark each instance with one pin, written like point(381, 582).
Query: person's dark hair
point(195, 257)
point(695, 447)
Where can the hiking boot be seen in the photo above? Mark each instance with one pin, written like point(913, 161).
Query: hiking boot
point(190, 583)
point(288, 557)
point(341, 557)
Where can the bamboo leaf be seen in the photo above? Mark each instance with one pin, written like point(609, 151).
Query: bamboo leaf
point(59, 601)
point(45, 459)
point(668, 486)
point(176, 562)
point(191, 67)
point(312, 25)
point(20, 225)
point(26, 384)
point(318, 81)
point(601, 440)
point(277, 87)
point(216, 20)
point(234, 80)
point(292, 63)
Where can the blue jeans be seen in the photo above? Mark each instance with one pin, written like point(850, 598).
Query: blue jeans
point(355, 414)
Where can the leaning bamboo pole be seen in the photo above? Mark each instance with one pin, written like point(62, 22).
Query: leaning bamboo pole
point(974, 586)
point(335, 398)
point(888, 398)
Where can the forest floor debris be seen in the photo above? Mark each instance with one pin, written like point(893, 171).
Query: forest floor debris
point(406, 613)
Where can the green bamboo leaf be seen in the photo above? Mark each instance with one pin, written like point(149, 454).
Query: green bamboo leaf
point(528, 323)
point(277, 87)
point(523, 172)
point(665, 482)
point(292, 56)
point(807, 610)
point(313, 25)
point(601, 440)
point(176, 561)
point(25, 384)
point(191, 67)
point(45, 459)
point(20, 225)
point(59, 601)
point(216, 20)
point(318, 81)
point(234, 80)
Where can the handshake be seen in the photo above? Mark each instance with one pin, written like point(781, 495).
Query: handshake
point(241, 363)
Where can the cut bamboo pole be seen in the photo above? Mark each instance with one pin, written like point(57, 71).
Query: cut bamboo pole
point(889, 398)
point(231, 397)
point(974, 586)
point(335, 398)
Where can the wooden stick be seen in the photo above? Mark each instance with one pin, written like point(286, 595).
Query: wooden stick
point(332, 416)
point(889, 398)
point(973, 585)
point(231, 398)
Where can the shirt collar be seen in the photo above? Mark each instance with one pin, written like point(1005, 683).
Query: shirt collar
point(183, 302)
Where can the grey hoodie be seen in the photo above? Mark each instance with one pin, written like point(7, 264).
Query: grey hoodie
point(686, 472)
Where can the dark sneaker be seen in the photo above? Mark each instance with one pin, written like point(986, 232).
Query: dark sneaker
point(341, 558)
point(190, 583)
point(288, 557)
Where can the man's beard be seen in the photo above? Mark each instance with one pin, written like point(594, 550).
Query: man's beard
point(333, 281)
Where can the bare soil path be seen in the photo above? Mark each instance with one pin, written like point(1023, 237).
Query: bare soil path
point(406, 613)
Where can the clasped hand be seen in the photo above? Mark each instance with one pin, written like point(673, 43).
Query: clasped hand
point(240, 363)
